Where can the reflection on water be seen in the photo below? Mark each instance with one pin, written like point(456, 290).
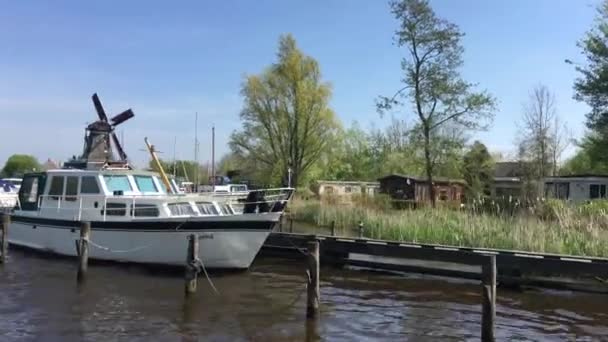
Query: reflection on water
point(39, 300)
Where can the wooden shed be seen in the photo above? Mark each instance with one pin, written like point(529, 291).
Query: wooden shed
point(415, 189)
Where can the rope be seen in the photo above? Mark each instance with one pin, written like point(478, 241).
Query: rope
point(119, 251)
point(197, 265)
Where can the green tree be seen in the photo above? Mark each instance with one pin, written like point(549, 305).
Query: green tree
point(592, 86)
point(287, 122)
point(431, 77)
point(18, 164)
point(478, 170)
point(183, 169)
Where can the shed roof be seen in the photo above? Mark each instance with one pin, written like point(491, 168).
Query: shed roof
point(423, 179)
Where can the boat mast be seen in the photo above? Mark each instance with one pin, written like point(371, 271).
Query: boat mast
point(163, 175)
point(213, 157)
point(174, 160)
point(196, 152)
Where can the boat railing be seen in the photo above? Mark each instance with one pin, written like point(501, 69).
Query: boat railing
point(133, 203)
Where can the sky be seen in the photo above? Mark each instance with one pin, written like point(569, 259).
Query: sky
point(170, 60)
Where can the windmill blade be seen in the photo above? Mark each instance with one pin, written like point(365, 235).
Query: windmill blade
point(99, 108)
point(122, 117)
point(121, 152)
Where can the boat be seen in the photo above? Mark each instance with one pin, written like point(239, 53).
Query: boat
point(135, 216)
point(16, 182)
point(8, 195)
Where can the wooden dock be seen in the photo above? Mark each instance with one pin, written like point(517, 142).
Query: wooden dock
point(514, 268)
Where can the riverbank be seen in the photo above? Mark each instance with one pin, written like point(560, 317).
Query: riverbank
point(560, 229)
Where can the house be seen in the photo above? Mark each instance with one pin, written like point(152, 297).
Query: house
point(576, 187)
point(507, 179)
point(415, 189)
point(345, 188)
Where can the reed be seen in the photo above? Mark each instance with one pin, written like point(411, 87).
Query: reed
point(551, 227)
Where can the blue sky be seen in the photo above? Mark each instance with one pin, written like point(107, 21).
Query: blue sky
point(168, 60)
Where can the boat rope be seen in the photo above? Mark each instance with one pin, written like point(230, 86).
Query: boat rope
point(119, 251)
point(197, 265)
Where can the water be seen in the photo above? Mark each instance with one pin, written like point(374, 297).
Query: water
point(39, 300)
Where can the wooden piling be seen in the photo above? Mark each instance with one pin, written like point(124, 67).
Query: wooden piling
point(488, 276)
point(291, 225)
point(83, 251)
point(6, 221)
point(190, 276)
point(312, 286)
point(360, 229)
point(332, 226)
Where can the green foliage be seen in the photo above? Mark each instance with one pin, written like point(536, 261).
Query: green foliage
point(19, 164)
point(183, 169)
point(286, 118)
point(592, 85)
point(432, 82)
point(570, 232)
point(478, 171)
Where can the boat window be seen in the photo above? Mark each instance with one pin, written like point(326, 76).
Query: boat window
point(147, 210)
point(145, 183)
point(178, 209)
point(88, 185)
point(238, 188)
point(71, 188)
point(226, 209)
point(56, 190)
point(117, 183)
point(28, 194)
point(163, 188)
point(115, 209)
point(207, 208)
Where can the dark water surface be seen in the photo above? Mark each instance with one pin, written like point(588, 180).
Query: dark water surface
point(39, 300)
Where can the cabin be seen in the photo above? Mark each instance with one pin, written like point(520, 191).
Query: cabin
point(576, 188)
point(415, 189)
point(345, 188)
point(507, 180)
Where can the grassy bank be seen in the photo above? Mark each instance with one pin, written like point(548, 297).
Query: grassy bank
point(560, 229)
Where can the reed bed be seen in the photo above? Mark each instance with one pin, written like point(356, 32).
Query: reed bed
point(548, 228)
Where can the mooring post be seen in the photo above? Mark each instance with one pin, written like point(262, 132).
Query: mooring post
point(281, 224)
point(6, 221)
point(332, 225)
point(312, 286)
point(191, 273)
point(488, 276)
point(83, 251)
point(291, 225)
point(360, 229)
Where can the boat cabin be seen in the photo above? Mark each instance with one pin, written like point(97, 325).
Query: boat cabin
point(109, 195)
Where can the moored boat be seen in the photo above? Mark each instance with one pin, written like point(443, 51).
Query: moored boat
point(135, 216)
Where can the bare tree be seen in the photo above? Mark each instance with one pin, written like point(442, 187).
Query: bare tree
point(536, 129)
point(561, 138)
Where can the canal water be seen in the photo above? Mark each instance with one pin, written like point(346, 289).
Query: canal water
point(39, 301)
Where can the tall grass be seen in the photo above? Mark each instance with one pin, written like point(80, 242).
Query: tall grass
point(552, 227)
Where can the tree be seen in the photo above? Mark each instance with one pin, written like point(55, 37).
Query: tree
point(182, 169)
point(19, 164)
point(592, 85)
point(432, 82)
point(478, 170)
point(536, 129)
point(287, 122)
point(561, 137)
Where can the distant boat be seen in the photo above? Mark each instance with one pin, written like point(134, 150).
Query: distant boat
point(8, 193)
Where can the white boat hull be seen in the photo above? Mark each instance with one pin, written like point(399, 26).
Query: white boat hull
point(218, 248)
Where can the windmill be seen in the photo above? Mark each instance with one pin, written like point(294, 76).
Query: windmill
point(99, 138)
